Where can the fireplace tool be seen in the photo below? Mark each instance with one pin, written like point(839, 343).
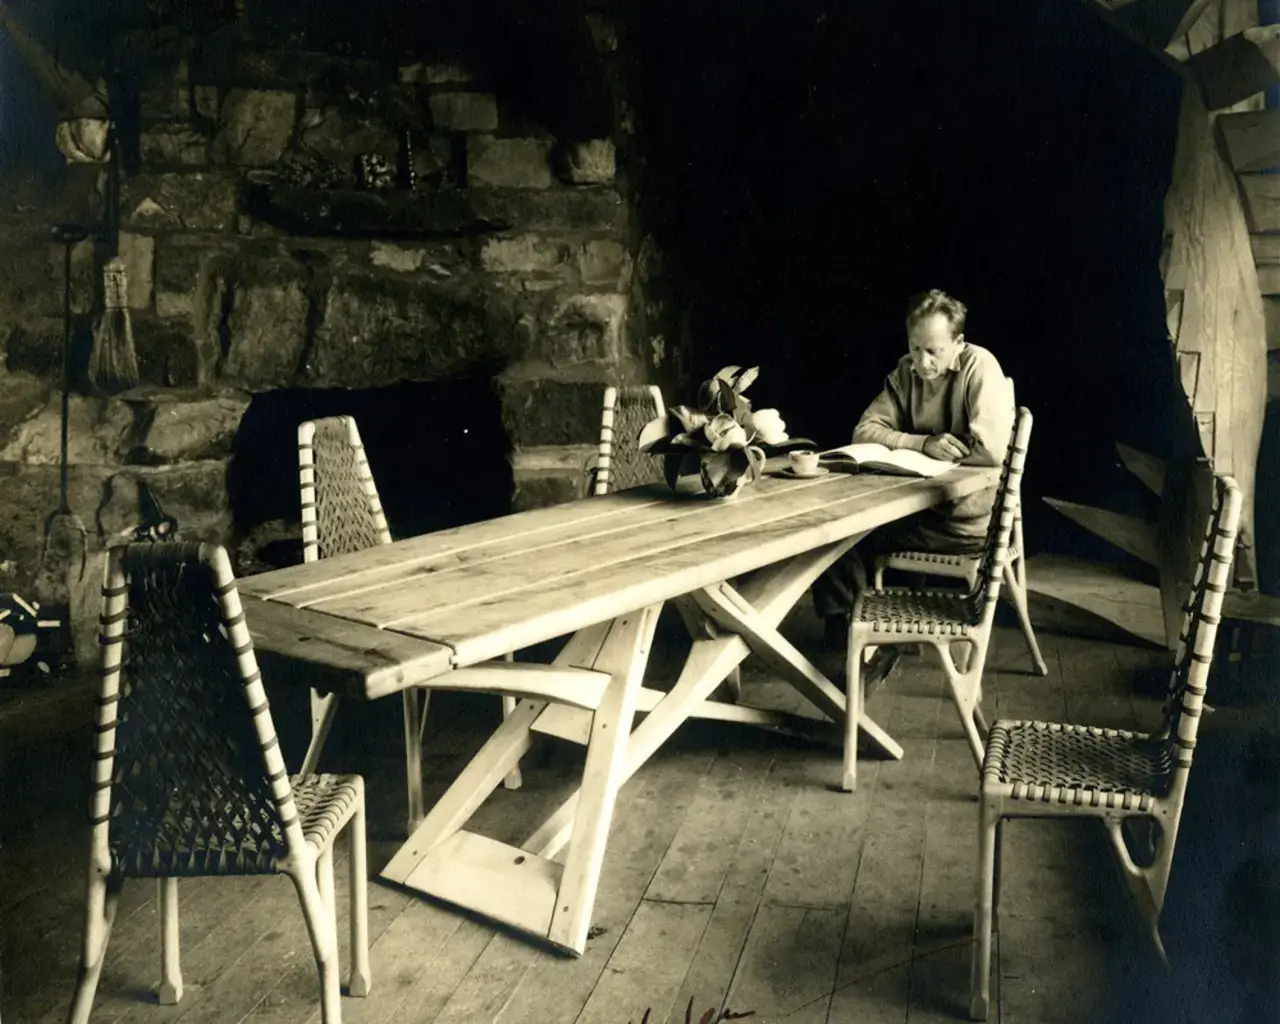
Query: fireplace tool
point(63, 523)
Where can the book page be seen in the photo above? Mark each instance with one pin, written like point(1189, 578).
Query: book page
point(907, 461)
point(858, 453)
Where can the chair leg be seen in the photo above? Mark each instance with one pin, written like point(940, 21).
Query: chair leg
point(100, 912)
point(360, 980)
point(324, 942)
point(852, 714)
point(170, 991)
point(414, 717)
point(983, 913)
point(323, 709)
point(324, 879)
point(966, 693)
point(1015, 583)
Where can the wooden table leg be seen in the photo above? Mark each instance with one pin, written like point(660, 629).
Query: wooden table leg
point(515, 886)
point(771, 594)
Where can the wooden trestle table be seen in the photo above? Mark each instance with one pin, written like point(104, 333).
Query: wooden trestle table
point(441, 610)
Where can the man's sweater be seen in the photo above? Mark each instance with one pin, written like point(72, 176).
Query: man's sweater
point(973, 400)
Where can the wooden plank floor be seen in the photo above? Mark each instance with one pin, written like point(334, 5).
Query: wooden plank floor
point(739, 882)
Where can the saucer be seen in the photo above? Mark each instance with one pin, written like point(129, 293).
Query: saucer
point(790, 471)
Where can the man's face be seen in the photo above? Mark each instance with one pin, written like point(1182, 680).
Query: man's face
point(933, 349)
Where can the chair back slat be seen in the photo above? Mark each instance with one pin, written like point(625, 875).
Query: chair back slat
point(341, 510)
point(619, 462)
point(1188, 682)
point(188, 775)
point(995, 552)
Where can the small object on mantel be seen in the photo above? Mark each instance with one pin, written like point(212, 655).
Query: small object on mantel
point(374, 171)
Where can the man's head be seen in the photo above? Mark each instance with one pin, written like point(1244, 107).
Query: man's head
point(935, 331)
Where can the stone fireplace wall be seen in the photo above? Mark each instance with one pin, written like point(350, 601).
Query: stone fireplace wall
point(257, 263)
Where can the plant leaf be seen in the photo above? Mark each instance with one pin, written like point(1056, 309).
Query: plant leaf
point(653, 432)
point(728, 397)
point(728, 373)
point(745, 379)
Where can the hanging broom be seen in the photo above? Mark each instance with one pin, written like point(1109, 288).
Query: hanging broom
point(113, 363)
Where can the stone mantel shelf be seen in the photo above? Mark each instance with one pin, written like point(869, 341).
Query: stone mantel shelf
point(366, 213)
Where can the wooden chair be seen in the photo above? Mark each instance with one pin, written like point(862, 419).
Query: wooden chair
point(1049, 769)
point(966, 567)
point(941, 618)
point(616, 466)
point(342, 513)
point(188, 779)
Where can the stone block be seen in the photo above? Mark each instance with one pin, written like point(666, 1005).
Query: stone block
point(593, 162)
point(35, 346)
point(168, 356)
point(463, 111)
point(162, 94)
point(433, 162)
point(557, 209)
point(542, 488)
point(549, 410)
point(139, 255)
point(177, 277)
point(508, 163)
point(582, 329)
point(390, 256)
point(192, 201)
point(254, 127)
point(604, 261)
point(437, 73)
point(84, 278)
point(22, 396)
point(205, 101)
point(522, 254)
point(188, 430)
point(98, 430)
point(173, 144)
point(267, 325)
point(379, 330)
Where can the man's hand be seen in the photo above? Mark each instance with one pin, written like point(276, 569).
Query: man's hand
point(947, 447)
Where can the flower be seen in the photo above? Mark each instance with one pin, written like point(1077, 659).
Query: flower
point(725, 432)
point(769, 426)
point(721, 432)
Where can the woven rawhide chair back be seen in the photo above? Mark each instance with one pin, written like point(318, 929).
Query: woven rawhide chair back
point(188, 776)
point(619, 462)
point(1003, 512)
point(341, 511)
point(1202, 614)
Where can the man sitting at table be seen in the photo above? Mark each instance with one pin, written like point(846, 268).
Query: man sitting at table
point(949, 399)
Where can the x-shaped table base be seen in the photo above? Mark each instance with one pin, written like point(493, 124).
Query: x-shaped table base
point(547, 886)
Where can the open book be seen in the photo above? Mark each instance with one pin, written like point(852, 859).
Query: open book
point(876, 458)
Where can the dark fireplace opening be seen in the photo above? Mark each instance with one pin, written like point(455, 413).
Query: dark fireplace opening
point(438, 453)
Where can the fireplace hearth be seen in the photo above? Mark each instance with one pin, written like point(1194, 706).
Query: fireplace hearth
point(438, 452)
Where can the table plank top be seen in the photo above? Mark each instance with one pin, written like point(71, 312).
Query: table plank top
point(488, 588)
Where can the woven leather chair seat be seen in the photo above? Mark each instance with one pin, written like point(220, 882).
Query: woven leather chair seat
point(1082, 765)
point(930, 558)
point(921, 612)
point(325, 803)
point(216, 839)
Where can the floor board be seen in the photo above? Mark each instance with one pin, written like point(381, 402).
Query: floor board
point(738, 878)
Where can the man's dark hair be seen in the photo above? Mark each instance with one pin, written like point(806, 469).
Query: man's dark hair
point(935, 301)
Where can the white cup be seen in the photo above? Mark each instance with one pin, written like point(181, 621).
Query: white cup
point(804, 463)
